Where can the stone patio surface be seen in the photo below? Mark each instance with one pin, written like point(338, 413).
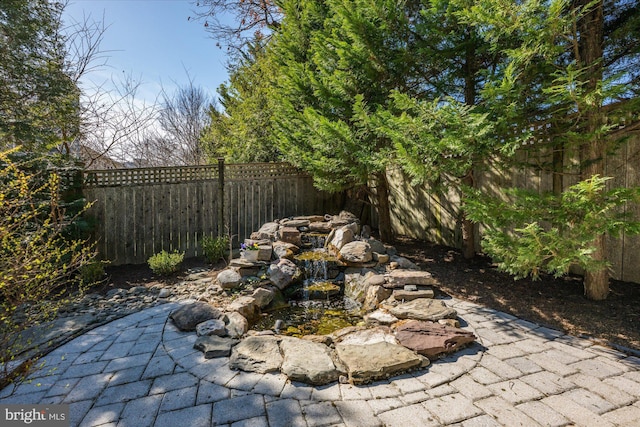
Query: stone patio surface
point(141, 371)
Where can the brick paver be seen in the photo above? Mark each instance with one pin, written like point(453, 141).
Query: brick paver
point(141, 371)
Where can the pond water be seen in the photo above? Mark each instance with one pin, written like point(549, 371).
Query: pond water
point(317, 306)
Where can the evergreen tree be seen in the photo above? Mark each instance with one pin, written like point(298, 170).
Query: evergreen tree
point(39, 103)
point(337, 61)
point(241, 132)
point(565, 82)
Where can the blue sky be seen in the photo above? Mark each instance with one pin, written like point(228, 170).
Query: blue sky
point(154, 41)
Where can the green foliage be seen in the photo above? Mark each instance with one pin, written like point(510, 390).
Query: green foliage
point(165, 263)
point(40, 264)
point(93, 272)
point(39, 102)
point(529, 233)
point(242, 131)
point(215, 248)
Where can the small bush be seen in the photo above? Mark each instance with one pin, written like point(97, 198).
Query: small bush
point(40, 262)
point(166, 263)
point(93, 272)
point(215, 248)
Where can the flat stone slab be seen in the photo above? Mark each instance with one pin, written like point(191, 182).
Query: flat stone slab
point(404, 295)
point(367, 363)
point(187, 317)
point(364, 336)
point(214, 346)
point(211, 327)
point(259, 354)
point(432, 339)
point(307, 361)
point(380, 317)
point(422, 309)
point(399, 278)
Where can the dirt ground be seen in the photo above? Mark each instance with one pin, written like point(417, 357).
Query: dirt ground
point(555, 303)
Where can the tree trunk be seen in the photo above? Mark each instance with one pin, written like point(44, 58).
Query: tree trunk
point(593, 150)
point(384, 208)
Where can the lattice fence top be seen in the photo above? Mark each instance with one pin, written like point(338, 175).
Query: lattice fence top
point(178, 174)
point(251, 171)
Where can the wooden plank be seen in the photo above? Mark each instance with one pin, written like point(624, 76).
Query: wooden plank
point(615, 167)
point(631, 266)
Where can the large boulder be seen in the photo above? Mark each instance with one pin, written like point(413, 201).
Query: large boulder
point(267, 231)
point(356, 252)
point(283, 273)
point(229, 279)
point(211, 327)
point(340, 237)
point(432, 339)
point(284, 249)
point(367, 363)
point(236, 325)
point(259, 354)
point(187, 317)
point(290, 235)
point(421, 309)
point(307, 361)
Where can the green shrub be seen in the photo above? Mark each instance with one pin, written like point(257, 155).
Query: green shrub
point(166, 263)
point(215, 248)
point(40, 263)
point(93, 272)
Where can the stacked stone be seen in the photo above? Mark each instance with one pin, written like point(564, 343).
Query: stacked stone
point(404, 325)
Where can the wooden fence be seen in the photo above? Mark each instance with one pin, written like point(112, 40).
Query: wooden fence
point(139, 212)
point(422, 212)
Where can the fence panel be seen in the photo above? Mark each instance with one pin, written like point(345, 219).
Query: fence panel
point(139, 212)
point(422, 212)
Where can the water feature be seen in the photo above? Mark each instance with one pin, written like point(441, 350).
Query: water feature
point(318, 304)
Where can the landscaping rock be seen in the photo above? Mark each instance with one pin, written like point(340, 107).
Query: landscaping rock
point(259, 354)
point(421, 309)
point(246, 306)
point(367, 363)
point(263, 296)
point(402, 262)
point(283, 273)
point(244, 267)
point(320, 227)
point(186, 318)
point(339, 238)
point(267, 231)
point(400, 278)
point(284, 249)
point(290, 235)
point(211, 327)
point(356, 252)
point(380, 317)
point(236, 325)
point(214, 346)
point(307, 361)
point(374, 295)
point(264, 252)
point(295, 223)
point(432, 339)
point(364, 336)
point(403, 295)
point(229, 279)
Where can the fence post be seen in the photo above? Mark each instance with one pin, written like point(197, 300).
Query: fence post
point(220, 196)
